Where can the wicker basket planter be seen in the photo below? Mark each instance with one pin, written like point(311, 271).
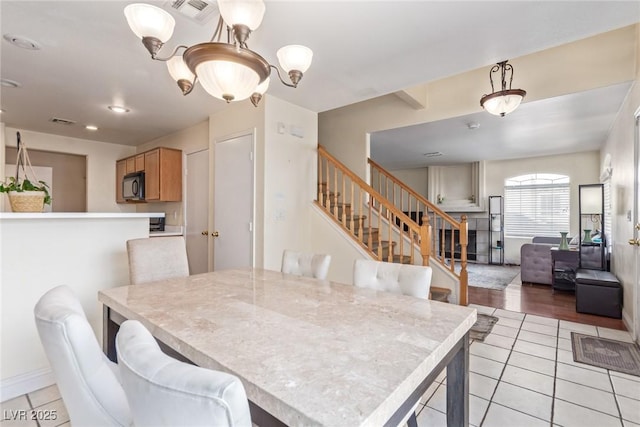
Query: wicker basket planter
point(26, 201)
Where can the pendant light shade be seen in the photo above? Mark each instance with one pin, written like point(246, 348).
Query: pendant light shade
point(505, 100)
point(242, 12)
point(502, 103)
point(178, 69)
point(146, 20)
point(295, 57)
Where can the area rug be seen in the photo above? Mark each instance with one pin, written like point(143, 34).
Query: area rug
point(491, 276)
point(604, 353)
point(482, 327)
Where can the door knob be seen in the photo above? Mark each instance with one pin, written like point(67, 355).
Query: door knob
point(215, 233)
point(204, 233)
point(635, 242)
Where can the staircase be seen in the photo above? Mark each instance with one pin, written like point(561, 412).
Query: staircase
point(378, 224)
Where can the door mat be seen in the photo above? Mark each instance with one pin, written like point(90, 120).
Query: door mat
point(604, 353)
point(482, 327)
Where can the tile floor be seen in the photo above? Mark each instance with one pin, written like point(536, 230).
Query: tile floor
point(41, 404)
point(522, 375)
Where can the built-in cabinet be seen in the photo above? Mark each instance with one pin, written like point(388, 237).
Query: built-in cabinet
point(162, 169)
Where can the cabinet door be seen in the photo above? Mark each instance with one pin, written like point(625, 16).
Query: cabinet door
point(131, 164)
point(152, 175)
point(170, 175)
point(121, 171)
point(140, 163)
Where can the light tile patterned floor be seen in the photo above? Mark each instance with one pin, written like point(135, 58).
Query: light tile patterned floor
point(523, 374)
point(42, 408)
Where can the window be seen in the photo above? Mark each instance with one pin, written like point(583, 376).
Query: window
point(536, 205)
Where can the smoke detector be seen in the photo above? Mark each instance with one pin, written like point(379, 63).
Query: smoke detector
point(200, 11)
point(473, 125)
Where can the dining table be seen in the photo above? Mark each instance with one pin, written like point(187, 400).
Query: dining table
point(308, 352)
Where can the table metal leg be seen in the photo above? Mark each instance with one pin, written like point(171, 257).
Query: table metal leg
point(109, 331)
point(458, 387)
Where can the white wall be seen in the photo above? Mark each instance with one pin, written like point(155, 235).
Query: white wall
point(101, 164)
point(624, 258)
point(582, 168)
point(290, 178)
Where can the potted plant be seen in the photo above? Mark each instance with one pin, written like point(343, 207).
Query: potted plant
point(25, 195)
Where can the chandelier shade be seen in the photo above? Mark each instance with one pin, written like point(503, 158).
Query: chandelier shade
point(229, 71)
point(506, 100)
point(242, 12)
point(146, 20)
point(225, 71)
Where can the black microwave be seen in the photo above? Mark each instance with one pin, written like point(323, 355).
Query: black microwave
point(133, 186)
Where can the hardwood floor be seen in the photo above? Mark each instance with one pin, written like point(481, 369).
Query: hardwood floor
point(539, 300)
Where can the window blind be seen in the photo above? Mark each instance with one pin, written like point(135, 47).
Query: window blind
point(536, 209)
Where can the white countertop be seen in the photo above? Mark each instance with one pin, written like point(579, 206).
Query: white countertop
point(78, 215)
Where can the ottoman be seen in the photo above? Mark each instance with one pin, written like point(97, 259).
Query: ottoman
point(598, 292)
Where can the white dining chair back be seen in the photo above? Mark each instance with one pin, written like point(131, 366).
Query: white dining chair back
point(157, 258)
point(163, 391)
point(413, 280)
point(306, 264)
point(88, 382)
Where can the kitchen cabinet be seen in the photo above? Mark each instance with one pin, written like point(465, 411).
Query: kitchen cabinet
point(121, 171)
point(162, 169)
point(131, 164)
point(140, 163)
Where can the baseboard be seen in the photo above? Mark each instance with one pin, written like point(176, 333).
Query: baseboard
point(25, 383)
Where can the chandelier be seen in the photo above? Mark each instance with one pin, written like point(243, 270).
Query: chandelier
point(227, 70)
point(505, 100)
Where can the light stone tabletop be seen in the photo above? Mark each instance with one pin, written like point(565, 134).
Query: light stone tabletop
point(308, 352)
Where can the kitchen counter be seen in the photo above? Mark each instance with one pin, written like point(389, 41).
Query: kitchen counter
point(76, 215)
point(86, 251)
point(169, 230)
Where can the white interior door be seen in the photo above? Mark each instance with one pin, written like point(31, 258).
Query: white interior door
point(197, 201)
point(233, 203)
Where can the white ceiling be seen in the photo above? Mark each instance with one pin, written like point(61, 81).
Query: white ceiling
point(564, 124)
point(362, 49)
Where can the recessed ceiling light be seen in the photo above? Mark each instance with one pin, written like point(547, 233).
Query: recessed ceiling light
point(9, 83)
point(433, 154)
point(118, 109)
point(22, 42)
point(91, 127)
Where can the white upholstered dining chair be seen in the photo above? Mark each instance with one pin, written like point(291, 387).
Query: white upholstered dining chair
point(157, 258)
point(88, 382)
point(306, 264)
point(406, 279)
point(413, 280)
point(163, 391)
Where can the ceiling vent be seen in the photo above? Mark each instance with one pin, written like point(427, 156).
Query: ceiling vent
point(433, 154)
point(200, 11)
point(60, 121)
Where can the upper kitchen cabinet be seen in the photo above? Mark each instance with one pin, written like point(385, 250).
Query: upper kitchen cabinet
point(162, 169)
point(458, 188)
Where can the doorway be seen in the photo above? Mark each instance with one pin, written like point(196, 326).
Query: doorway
point(233, 203)
point(197, 211)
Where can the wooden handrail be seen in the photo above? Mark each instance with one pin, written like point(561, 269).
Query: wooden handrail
point(420, 197)
point(430, 209)
point(335, 179)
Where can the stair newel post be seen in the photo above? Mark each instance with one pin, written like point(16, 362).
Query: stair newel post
point(327, 188)
point(464, 277)
point(320, 199)
point(334, 202)
point(344, 208)
point(425, 240)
